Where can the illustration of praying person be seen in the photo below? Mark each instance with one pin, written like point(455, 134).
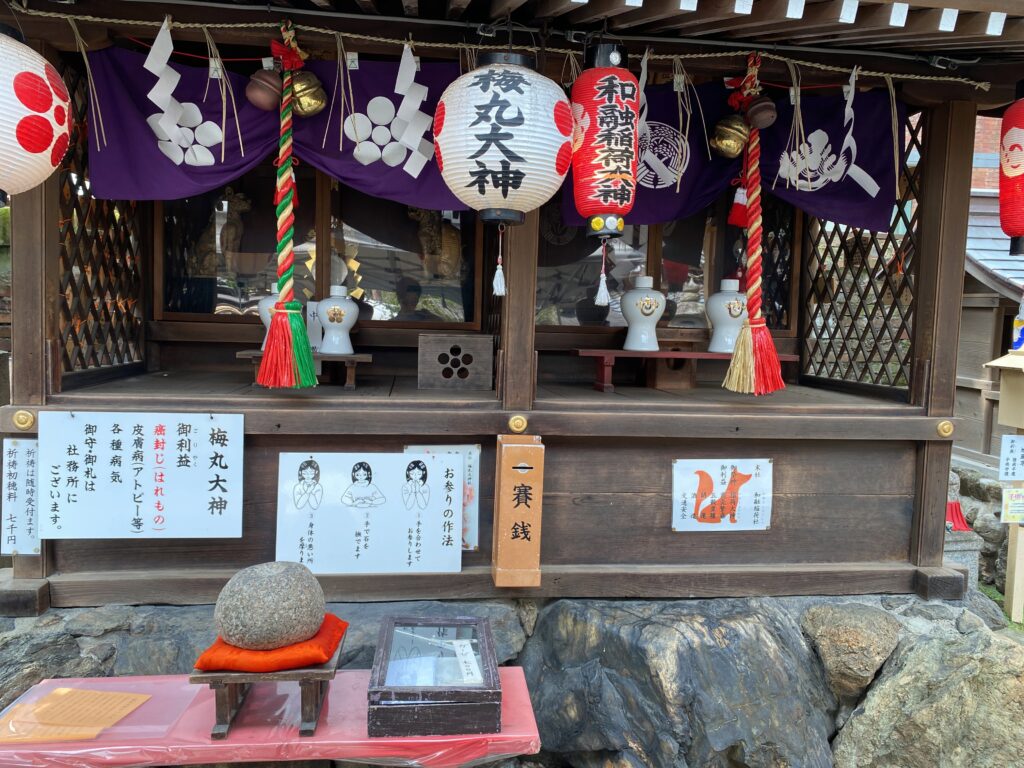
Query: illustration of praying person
point(362, 493)
point(308, 491)
point(415, 491)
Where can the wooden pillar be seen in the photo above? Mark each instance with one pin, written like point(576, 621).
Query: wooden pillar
point(35, 283)
point(518, 311)
point(945, 194)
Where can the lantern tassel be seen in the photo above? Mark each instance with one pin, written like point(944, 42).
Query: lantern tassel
point(498, 286)
point(602, 299)
point(287, 359)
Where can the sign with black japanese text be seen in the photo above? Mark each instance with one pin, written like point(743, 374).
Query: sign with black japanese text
point(470, 488)
point(1011, 458)
point(371, 512)
point(721, 495)
point(122, 475)
point(518, 511)
point(21, 498)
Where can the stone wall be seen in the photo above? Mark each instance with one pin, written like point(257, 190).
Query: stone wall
point(981, 499)
point(861, 682)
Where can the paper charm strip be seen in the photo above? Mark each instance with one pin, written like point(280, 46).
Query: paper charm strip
point(181, 133)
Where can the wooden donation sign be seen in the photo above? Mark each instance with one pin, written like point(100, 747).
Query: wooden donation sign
point(518, 504)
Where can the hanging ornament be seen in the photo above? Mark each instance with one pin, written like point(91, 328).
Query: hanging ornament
point(502, 137)
point(264, 90)
point(754, 368)
point(730, 137)
point(606, 106)
point(1011, 171)
point(606, 109)
point(738, 210)
point(761, 113)
point(287, 359)
point(310, 97)
point(35, 117)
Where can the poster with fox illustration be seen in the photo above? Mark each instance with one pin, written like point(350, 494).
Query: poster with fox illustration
point(721, 495)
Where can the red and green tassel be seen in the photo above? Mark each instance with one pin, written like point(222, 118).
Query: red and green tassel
point(287, 357)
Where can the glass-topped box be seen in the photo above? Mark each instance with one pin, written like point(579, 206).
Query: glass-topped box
point(434, 676)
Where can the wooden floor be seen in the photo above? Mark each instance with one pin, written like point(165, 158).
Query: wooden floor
point(235, 389)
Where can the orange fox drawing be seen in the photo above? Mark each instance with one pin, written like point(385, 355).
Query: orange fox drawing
point(722, 507)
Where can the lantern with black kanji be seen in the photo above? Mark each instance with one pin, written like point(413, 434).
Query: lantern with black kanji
point(1011, 170)
point(35, 117)
point(503, 140)
point(606, 106)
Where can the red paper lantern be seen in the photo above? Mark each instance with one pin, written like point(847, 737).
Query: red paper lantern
point(1011, 170)
point(606, 107)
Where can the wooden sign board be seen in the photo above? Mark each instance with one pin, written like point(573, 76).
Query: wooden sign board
point(518, 504)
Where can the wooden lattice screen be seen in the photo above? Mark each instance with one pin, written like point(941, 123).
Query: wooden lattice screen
point(101, 317)
point(859, 289)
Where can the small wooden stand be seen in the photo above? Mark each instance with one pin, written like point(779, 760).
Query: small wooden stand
point(231, 688)
point(350, 362)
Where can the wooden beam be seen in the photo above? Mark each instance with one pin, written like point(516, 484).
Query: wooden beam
point(999, 6)
point(23, 597)
point(707, 11)
point(456, 8)
point(653, 11)
point(918, 23)
point(368, 6)
point(765, 13)
point(596, 10)
point(940, 583)
point(822, 19)
point(518, 315)
point(546, 9)
point(411, 8)
point(197, 586)
point(1010, 35)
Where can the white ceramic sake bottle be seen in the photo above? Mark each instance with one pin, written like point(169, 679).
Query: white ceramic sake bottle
point(642, 307)
point(726, 310)
point(337, 316)
point(264, 307)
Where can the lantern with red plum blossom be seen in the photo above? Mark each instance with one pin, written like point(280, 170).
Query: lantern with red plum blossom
point(1011, 170)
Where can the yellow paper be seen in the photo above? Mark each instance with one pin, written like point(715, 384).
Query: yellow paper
point(68, 714)
point(13, 728)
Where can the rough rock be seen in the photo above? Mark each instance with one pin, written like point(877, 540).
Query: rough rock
point(976, 485)
point(952, 701)
point(654, 684)
point(999, 569)
point(895, 602)
point(933, 611)
point(967, 622)
point(986, 523)
point(270, 605)
point(100, 621)
point(982, 606)
point(852, 641)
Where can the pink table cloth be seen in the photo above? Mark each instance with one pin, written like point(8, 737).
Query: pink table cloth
point(173, 728)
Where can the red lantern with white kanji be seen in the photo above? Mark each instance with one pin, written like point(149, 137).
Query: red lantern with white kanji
point(503, 138)
point(1011, 170)
point(35, 117)
point(606, 107)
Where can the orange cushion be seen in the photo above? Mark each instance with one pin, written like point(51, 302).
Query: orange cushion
point(317, 650)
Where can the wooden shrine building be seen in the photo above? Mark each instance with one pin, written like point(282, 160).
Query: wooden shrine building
point(104, 317)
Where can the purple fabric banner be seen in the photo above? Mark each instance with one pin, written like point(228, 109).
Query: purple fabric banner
point(844, 171)
point(387, 112)
point(132, 165)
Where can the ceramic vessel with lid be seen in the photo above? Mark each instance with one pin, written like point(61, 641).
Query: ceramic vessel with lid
point(642, 307)
point(726, 310)
point(337, 316)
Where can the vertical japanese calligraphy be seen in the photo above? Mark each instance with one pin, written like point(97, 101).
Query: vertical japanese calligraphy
point(1011, 458)
point(721, 495)
point(20, 532)
point(386, 512)
point(470, 502)
point(518, 502)
point(502, 139)
point(141, 475)
point(606, 106)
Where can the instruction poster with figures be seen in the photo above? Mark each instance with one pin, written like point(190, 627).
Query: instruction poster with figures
point(721, 495)
point(365, 513)
point(123, 475)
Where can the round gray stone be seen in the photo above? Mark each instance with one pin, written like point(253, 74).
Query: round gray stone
point(269, 606)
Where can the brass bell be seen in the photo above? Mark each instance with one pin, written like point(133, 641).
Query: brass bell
point(308, 93)
point(731, 134)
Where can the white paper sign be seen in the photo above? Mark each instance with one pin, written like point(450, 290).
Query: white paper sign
point(107, 475)
point(370, 512)
point(20, 512)
point(1011, 458)
point(1013, 506)
point(470, 485)
point(721, 495)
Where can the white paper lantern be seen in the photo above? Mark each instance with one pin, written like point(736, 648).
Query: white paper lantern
point(503, 140)
point(35, 117)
